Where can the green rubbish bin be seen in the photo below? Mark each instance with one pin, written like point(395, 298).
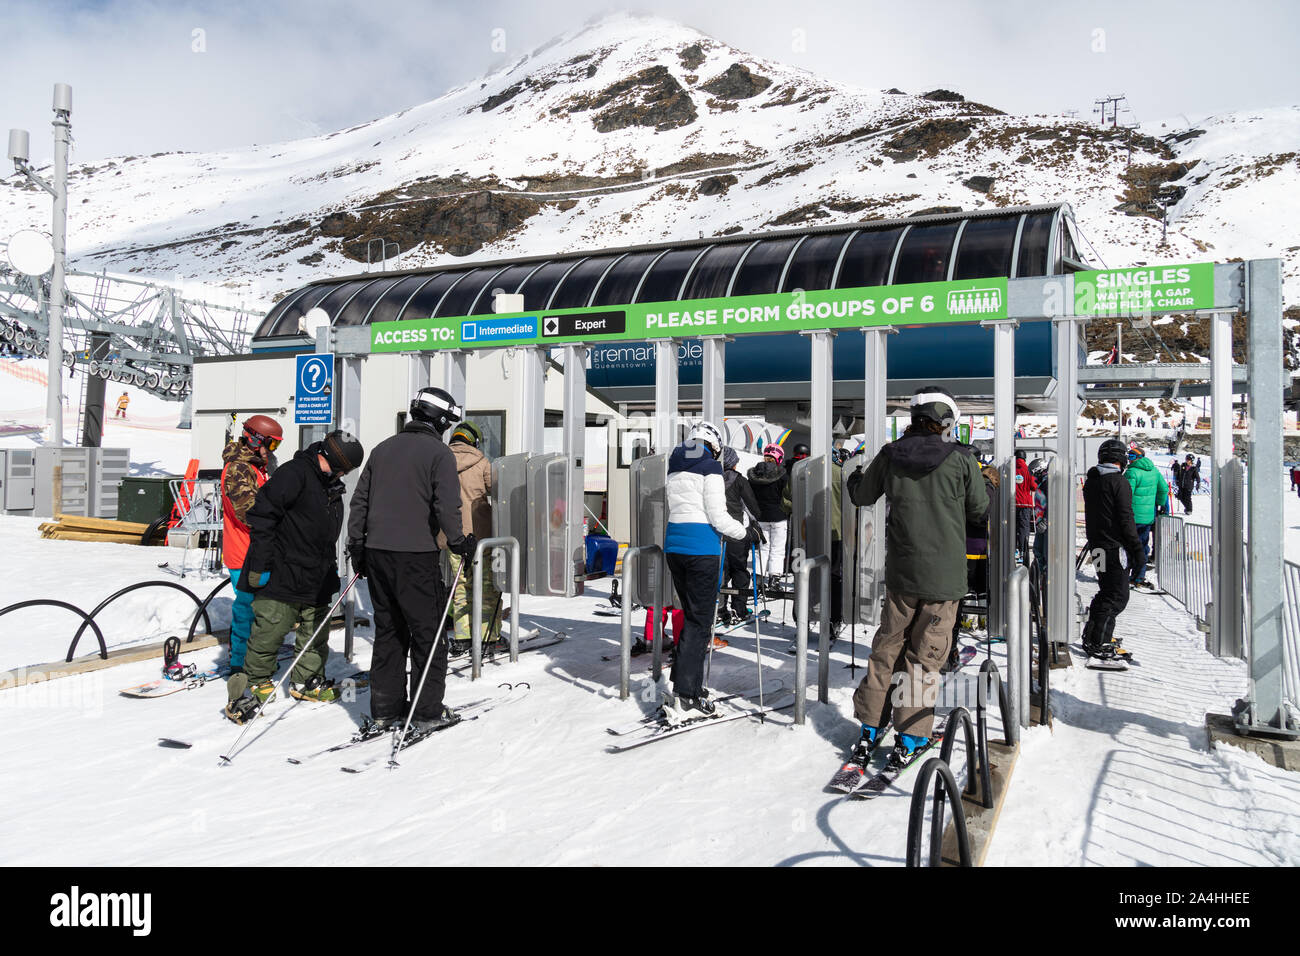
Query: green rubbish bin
point(145, 499)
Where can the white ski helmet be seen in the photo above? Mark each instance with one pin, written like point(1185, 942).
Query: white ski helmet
point(706, 433)
point(934, 403)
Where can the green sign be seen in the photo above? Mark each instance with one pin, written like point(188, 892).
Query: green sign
point(1145, 291)
point(800, 311)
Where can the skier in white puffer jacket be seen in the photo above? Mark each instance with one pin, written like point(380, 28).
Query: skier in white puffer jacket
point(697, 522)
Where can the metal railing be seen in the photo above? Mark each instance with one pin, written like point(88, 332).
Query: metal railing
point(1019, 653)
point(801, 574)
point(511, 545)
point(630, 557)
point(1291, 635)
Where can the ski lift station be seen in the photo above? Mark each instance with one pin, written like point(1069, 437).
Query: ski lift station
point(585, 369)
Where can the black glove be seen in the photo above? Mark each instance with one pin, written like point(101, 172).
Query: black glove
point(465, 547)
point(755, 535)
point(855, 478)
point(357, 557)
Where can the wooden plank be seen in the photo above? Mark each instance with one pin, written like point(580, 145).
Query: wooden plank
point(92, 662)
point(80, 523)
point(981, 822)
point(95, 536)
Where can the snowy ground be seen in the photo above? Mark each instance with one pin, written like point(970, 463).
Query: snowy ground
point(1124, 777)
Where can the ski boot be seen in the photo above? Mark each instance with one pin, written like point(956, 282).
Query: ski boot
point(375, 726)
point(423, 727)
point(316, 688)
point(725, 617)
point(172, 668)
point(683, 710)
point(866, 744)
point(640, 647)
point(457, 647)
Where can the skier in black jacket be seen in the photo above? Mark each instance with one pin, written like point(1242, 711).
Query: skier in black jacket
point(294, 529)
point(770, 483)
point(743, 506)
point(1108, 513)
point(409, 491)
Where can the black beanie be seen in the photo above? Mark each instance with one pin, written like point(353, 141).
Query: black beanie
point(342, 450)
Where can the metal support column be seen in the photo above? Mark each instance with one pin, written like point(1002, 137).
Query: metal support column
point(1004, 449)
point(665, 423)
point(821, 385)
point(870, 537)
point(575, 449)
point(453, 374)
point(419, 371)
point(714, 378)
point(1225, 539)
point(349, 419)
point(1061, 493)
point(1266, 592)
point(526, 418)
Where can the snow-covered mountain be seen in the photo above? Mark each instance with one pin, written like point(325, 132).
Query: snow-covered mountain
point(636, 129)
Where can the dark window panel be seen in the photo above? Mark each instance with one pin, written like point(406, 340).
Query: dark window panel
point(462, 295)
point(537, 290)
point(426, 299)
point(508, 282)
point(1033, 245)
point(272, 320)
point(576, 289)
point(713, 272)
point(985, 248)
point(761, 270)
point(620, 284)
point(813, 264)
point(390, 303)
point(288, 324)
point(356, 309)
point(925, 254)
point(663, 283)
point(867, 259)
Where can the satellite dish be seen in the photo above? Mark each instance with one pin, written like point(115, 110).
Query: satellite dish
point(31, 253)
point(315, 320)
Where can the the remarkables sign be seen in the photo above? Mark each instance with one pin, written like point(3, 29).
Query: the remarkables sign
point(800, 311)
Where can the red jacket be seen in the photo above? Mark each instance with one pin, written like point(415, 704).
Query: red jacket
point(1025, 485)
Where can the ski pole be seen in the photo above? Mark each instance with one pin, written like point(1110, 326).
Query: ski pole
point(433, 649)
point(226, 759)
point(758, 640)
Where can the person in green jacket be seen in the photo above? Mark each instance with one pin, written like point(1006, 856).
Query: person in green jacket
point(1150, 498)
point(933, 486)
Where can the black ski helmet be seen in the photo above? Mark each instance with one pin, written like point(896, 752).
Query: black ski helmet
point(436, 407)
point(935, 404)
point(342, 450)
point(800, 451)
point(1112, 452)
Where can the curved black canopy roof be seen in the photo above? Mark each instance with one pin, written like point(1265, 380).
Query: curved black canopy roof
point(1011, 242)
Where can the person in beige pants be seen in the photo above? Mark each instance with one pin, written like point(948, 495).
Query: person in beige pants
point(475, 474)
point(933, 485)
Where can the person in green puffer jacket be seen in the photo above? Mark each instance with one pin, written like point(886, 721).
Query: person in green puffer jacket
point(1150, 498)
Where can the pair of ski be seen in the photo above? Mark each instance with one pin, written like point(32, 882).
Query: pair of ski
point(367, 736)
point(534, 643)
point(872, 777)
point(655, 726)
point(358, 680)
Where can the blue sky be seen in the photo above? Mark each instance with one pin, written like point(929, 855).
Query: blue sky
point(144, 81)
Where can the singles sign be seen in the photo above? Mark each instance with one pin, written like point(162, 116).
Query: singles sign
point(1145, 291)
point(918, 304)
